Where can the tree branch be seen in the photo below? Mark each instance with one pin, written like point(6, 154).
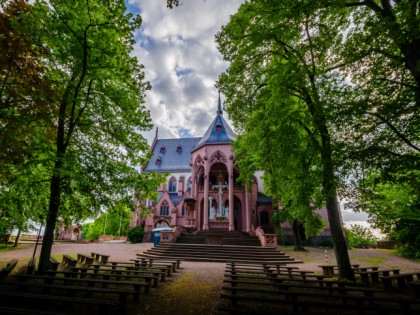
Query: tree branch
point(395, 130)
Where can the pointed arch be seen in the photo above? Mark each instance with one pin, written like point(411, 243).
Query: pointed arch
point(164, 208)
point(218, 157)
point(172, 184)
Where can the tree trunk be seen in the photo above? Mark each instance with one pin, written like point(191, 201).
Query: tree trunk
point(55, 191)
point(48, 239)
point(334, 217)
point(296, 236)
point(17, 238)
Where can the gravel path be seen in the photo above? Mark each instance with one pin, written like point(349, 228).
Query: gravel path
point(195, 289)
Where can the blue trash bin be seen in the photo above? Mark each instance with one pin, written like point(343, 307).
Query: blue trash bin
point(156, 238)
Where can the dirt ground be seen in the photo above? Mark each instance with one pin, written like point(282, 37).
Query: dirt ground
point(195, 289)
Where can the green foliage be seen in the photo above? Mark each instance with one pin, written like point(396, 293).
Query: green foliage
point(360, 235)
point(113, 222)
point(135, 235)
point(393, 207)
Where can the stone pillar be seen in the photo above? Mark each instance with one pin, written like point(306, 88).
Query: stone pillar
point(247, 210)
point(206, 195)
point(231, 214)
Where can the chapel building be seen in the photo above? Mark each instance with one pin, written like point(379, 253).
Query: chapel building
point(202, 191)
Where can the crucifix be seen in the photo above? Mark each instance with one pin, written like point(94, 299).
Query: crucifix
point(220, 188)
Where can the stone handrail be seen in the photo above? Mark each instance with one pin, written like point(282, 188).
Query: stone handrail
point(169, 236)
point(267, 240)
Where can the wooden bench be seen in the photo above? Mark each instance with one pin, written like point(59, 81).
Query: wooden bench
point(37, 301)
point(16, 310)
point(83, 272)
point(374, 274)
point(341, 289)
point(328, 270)
point(85, 259)
point(103, 259)
point(302, 302)
point(136, 285)
point(415, 285)
point(69, 261)
point(270, 272)
point(70, 290)
point(279, 279)
point(402, 279)
point(130, 267)
point(151, 261)
point(5, 271)
point(169, 267)
point(53, 265)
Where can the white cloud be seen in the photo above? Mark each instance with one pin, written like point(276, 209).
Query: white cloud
point(182, 62)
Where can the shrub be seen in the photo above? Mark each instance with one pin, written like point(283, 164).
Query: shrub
point(135, 235)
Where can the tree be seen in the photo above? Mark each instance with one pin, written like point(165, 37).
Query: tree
point(393, 208)
point(25, 91)
point(283, 50)
point(360, 235)
point(283, 142)
point(99, 106)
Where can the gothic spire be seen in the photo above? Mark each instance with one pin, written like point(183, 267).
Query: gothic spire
point(219, 106)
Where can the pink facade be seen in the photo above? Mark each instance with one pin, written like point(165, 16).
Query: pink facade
point(201, 191)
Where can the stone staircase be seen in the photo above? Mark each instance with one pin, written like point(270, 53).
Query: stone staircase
point(227, 238)
point(217, 253)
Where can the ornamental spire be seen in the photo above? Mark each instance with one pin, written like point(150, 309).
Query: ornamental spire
point(219, 106)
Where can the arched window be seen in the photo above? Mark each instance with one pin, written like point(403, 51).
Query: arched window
point(213, 180)
point(183, 210)
point(162, 149)
point(164, 208)
point(179, 148)
point(218, 128)
point(189, 184)
point(158, 161)
point(172, 184)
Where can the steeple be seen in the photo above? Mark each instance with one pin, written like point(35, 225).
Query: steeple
point(219, 106)
point(219, 131)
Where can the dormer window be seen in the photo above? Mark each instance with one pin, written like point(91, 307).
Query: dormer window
point(172, 184)
point(218, 128)
point(162, 149)
point(158, 161)
point(179, 148)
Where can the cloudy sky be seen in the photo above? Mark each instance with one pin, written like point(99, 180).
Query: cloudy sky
point(178, 50)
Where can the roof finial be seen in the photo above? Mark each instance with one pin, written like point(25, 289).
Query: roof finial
point(157, 132)
point(219, 106)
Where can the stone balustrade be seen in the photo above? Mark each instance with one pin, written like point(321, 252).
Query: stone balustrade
point(267, 240)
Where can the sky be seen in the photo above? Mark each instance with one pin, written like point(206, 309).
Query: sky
point(182, 62)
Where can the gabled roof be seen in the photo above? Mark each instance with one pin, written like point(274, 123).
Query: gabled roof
point(171, 160)
point(218, 132)
point(263, 199)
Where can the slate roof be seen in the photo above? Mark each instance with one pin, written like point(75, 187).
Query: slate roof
point(263, 199)
point(171, 160)
point(226, 135)
point(175, 199)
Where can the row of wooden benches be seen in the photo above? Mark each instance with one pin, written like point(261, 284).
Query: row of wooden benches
point(78, 284)
point(391, 278)
point(259, 289)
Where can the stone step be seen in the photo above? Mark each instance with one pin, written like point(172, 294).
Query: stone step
point(248, 259)
point(217, 253)
point(224, 256)
point(224, 248)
